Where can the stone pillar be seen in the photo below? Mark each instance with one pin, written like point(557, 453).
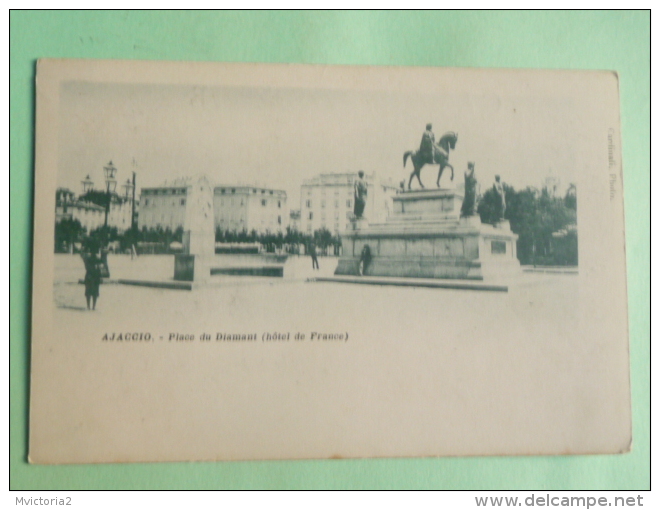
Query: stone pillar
point(194, 264)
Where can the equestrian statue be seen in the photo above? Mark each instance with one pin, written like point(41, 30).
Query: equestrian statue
point(430, 153)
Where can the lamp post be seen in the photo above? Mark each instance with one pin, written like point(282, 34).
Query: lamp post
point(127, 186)
point(87, 184)
point(110, 185)
point(129, 194)
point(133, 206)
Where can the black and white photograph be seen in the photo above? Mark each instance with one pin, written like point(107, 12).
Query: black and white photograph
point(246, 261)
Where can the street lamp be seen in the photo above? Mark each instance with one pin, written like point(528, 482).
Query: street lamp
point(87, 184)
point(110, 185)
point(128, 188)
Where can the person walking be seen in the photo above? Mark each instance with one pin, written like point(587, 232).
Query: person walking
point(92, 279)
point(312, 252)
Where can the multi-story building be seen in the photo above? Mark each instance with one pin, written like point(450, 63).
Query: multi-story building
point(326, 201)
point(163, 207)
point(67, 206)
point(236, 208)
point(552, 184)
point(294, 219)
point(92, 215)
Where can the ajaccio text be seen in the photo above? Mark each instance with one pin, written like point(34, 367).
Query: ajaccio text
point(126, 337)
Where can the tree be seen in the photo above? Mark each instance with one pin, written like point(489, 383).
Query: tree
point(323, 239)
point(95, 196)
point(544, 224)
point(67, 232)
point(489, 204)
point(104, 234)
point(570, 200)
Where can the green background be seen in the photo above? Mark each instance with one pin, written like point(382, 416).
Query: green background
point(556, 40)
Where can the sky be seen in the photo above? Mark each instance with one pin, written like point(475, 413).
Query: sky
point(277, 137)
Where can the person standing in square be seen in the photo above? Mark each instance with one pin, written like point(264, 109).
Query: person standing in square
point(312, 252)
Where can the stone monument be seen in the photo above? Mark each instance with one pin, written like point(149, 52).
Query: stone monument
point(194, 264)
point(426, 237)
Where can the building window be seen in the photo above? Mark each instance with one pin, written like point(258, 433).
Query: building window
point(311, 215)
point(279, 220)
point(308, 204)
point(222, 191)
point(348, 204)
point(279, 204)
point(271, 192)
point(263, 191)
point(254, 191)
point(183, 201)
point(146, 202)
point(263, 202)
point(233, 190)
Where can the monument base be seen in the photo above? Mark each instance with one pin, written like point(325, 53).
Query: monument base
point(359, 223)
point(191, 268)
point(426, 238)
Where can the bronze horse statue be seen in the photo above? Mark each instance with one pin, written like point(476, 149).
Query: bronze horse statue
point(440, 157)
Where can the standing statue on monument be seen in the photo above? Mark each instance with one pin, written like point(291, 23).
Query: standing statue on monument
point(470, 198)
point(499, 189)
point(359, 195)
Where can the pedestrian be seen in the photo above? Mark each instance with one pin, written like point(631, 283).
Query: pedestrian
point(312, 252)
point(92, 278)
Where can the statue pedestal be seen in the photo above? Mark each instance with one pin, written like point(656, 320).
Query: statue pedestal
point(359, 223)
point(194, 264)
point(425, 237)
point(191, 268)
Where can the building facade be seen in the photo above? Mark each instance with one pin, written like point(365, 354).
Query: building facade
point(238, 208)
point(91, 215)
point(163, 207)
point(67, 206)
point(326, 201)
point(235, 208)
point(294, 219)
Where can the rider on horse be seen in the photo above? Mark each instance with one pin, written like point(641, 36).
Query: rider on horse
point(428, 142)
point(428, 149)
point(431, 153)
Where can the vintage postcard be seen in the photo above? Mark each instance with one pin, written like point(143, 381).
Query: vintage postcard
point(244, 261)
